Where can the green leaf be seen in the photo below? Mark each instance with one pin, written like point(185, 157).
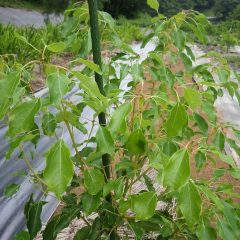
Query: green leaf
point(144, 205)
point(32, 211)
point(105, 141)
point(58, 86)
point(223, 75)
point(118, 120)
point(23, 235)
point(233, 145)
point(83, 233)
point(200, 159)
point(205, 232)
point(89, 64)
point(59, 222)
point(224, 230)
point(177, 120)
point(59, 168)
point(193, 98)
point(93, 181)
point(57, 47)
point(117, 185)
point(187, 61)
point(202, 124)
point(22, 117)
point(136, 143)
point(190, 203)
point(154, 4)
point(49, 124)
point(177, 172)
point(72, 119)
point(169, 148)
point(219, 140)
point(34, 223)
point(7, 88)
point(90, 202)
point(89, 86)
point(179, 39)
point(11, 189)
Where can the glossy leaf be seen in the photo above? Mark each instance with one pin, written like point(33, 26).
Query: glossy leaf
point(177, 120)
point(105, 141)
point(93, 181)
point(7, 88)
point(22, 118)
point(190, 203)
point(59, 168)
point(177, 172)
point(136, 143)
point(144, 205)
point(118, 120)
point(193, 98)
point(58, 86)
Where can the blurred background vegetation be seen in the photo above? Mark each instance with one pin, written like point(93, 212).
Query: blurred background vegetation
point(132, 19)
point(132, 8)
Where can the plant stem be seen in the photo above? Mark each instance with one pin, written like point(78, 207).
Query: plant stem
point(31, 168)
point(93, 7)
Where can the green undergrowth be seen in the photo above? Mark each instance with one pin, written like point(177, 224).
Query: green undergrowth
point(22, 4)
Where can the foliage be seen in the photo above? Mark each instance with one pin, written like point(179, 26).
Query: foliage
point(128, 31)
point(18, 42)
point(236, 13)
point(42, 5)
point(224, 8)
point(228, 40)
point(153, 136)
point(226, 33)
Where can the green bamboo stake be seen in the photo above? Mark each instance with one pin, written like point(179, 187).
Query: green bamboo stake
point(93, 12)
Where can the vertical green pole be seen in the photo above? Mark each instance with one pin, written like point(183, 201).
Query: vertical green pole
point(93, 12)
